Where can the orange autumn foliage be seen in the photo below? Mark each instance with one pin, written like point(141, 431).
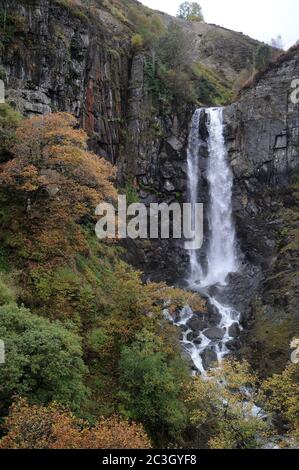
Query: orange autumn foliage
point(51, 158)
point(39, 427)
point(57, 184)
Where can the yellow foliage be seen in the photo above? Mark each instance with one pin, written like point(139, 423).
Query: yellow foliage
point(40, 427)
point(280, 393)
point(221, 408)
point(137, 42)
point(58, 181)
point(51, 153)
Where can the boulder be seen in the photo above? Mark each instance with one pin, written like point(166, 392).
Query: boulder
point(214, 334)
point(175, 143)
point(198, 323)
point(187, 358)
point(214, 316)
point(233, 345)
point(234, 330)
point(209, 357)
point(197, 341)
point(190, 336)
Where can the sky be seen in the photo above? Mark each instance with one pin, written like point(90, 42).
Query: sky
point(260, 19)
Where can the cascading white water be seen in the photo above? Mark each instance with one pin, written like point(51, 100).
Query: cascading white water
point(221, 255)
point(221, 251)
point(193, 178)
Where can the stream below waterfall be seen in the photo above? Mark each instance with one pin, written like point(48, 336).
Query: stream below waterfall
point(210, 343)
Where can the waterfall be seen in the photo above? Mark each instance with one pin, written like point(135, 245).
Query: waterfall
point(193, 179)
point(221, 251)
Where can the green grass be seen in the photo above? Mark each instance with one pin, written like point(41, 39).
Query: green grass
point(211, 86)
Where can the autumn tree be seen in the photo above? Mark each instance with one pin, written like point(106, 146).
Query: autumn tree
point(281, 397)
point(51, 157)
point(221, 408)
point(127, 306)
point(57, 183)
point(243, 77)
point(72, 282)
point(52, 427)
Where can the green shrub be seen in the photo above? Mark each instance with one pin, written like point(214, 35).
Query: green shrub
point(96, 339)
point(6, 294)
point(174, 47)
point(9, 119)
point(43, 360)
point(209, 89)
point(131, 193)
point(151, 388)
point(147, 25)
point(262, 57)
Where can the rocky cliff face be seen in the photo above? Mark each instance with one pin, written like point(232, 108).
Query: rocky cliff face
point(263, 142)
point(60, 55)
point(264, 125)
point(58, 58)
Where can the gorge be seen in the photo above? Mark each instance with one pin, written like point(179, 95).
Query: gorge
point(97, 105)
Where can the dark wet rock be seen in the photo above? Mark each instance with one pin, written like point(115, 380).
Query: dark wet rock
point(241, 288)
point(214, 317)
point(198, 323)
point(177, 315)
point(197, 341)
point(257, 126)
point(213, 291)
point(175, 144)
point(190, 336)
point(209, 357)
point(206, 321)
point(184, 328)
point(214, 334)
point(233, 345)
point(188, 347)
point(188, 360)
point(234, 330)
